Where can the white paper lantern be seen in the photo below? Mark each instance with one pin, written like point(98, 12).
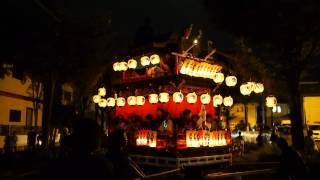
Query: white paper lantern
point(132, 100)
point(192, 98)
point(177, 97)
point(102, 91)
point(231, 81)
point(245, 90)
point(140, 100)
point(132, 64)
point(259, 88)
point(228, 101)
point(153, 98)
point(116, 66)
point(205, 98)
point(96, 98)
point(271, 101)
point(123, 66)
point(111, 102)
point(155, 59)
point(145, 61)
point(217, 100)
point(164, 97)
point(121, 101)
point(218, 77)
point(102, 103)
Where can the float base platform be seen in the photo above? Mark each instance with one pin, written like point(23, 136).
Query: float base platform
point(181, 158)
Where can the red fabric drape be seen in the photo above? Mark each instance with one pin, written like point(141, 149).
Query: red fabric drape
point(174, 109)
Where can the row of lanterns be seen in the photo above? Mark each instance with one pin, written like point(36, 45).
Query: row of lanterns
point(132, 63)
point(162, 98)
point(249, 87)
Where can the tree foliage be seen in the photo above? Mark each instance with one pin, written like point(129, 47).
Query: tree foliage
point(284, 35)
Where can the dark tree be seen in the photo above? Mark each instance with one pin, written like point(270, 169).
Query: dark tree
point(285, 35)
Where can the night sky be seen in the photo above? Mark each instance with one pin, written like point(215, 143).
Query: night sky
point(127, 16)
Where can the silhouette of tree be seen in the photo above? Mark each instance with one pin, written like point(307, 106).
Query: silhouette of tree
point(285, 35)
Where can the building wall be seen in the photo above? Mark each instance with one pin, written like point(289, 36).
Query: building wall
point(311, 108)
point(16, 95)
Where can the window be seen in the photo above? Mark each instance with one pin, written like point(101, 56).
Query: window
point(15, 116)
point(29, 115)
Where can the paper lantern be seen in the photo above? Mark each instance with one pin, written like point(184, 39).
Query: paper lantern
point(132, 64)
point(116, 66)
point(228, 101)
point(102, 103)
point(155, 59)
point(140, 100)
point(96, 98)
point(271, 101)
point(153, 98)
point(177, 97)
point(251, 86)
point(245, 90)
point(111, 102)
point(102, 91)
point(192, 98)
point(218, 77)
point(217, 100)
point(164, 97)
point(231, 81)
point(145, 61)
point(259, 88)
point(123, 66)
point(121, 101)
point(205, 98)
point(132, 100)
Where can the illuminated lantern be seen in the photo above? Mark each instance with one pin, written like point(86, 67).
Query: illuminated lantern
point(140, 100)
point(102, 103)
point(145, 61)
point(132, 100)
point(177, 97)
point(228, 101)
point(132, 64)
point(231, 81)
point(153, 98)
point(102, 91)
point(217, 100)
point(192, 98)
point(164, 97)
point(205, 98)
point(116, 66)
point(271, 101)
point(251, 86)
point(218, 77)
point(259, 88)
point(111, 102)
point(123, 66)
point(121, 101)
point(96, 98)
point(245, 90)
point(155, 59)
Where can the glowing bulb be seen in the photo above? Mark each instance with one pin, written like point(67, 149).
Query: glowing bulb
point(153, 98)
point(132, 64)
point(96, 98)
point(259, 88)
point(111, 102)
point(121, 101)
point(195, 41)
point(218, 77)
point(145, 61)
point(164, 97)
point(271, 101)
point(217, 100)
point(132, 100)
point(228, 101)
point(155, 59)
point(140, 100)
point(116, 66)
point(192, 98)
point(231, 81)
point(102, 103)
point(205, 98)
point(177, 97)
point(102, 91)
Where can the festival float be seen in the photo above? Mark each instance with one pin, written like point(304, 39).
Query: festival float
point(176, 84)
